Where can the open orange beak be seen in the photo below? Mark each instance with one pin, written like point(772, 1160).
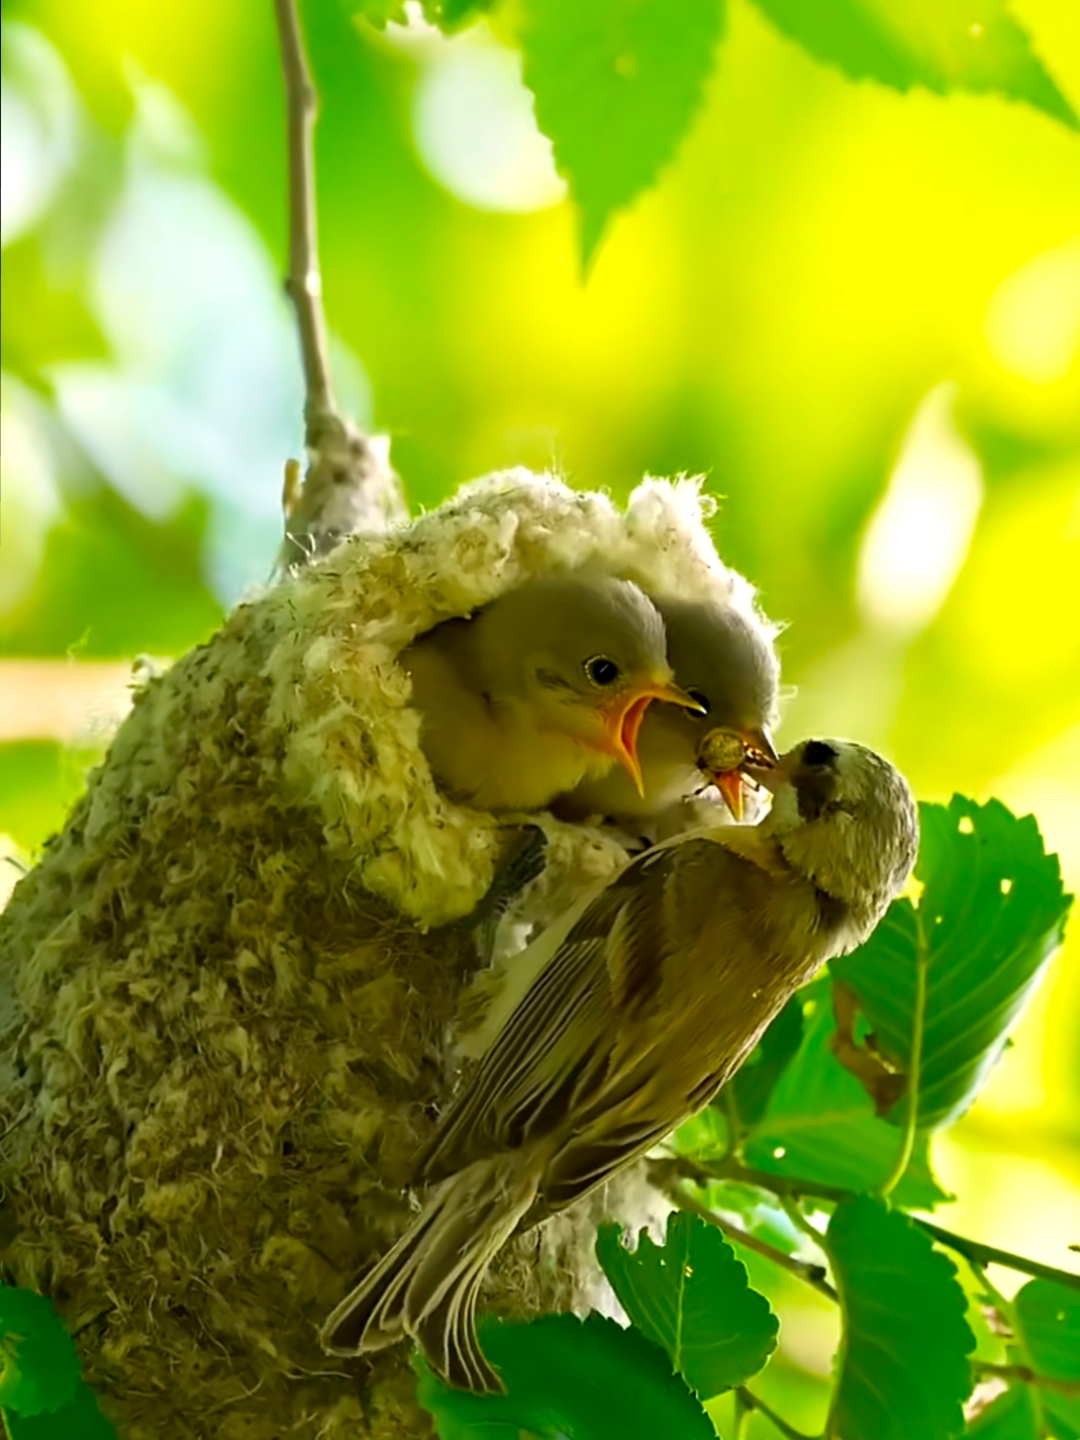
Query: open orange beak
point(759, 753)
point(622, 721)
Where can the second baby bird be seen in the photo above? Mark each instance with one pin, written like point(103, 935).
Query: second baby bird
point(726, 660)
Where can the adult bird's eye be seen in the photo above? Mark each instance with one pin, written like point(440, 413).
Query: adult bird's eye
point(702, 699)
point(601, 670)
point(818, 753)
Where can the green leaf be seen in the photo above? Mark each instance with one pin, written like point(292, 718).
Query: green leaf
point(944, 45)
point(989, 919)
point(757, 1079)
point(691, 1296)
point(588, 1379)
point(903, 1369)
point(39, 1365)
point(1047, 1319)
point(617, 83)
point(377, 12)
point(79, 1419)
point(820, 1124)
point(453, 14)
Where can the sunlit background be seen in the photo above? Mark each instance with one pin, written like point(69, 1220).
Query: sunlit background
point(856, 312)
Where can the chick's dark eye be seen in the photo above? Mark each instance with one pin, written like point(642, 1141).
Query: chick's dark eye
point(818, 753)
point(601, 670)
point(702, 699)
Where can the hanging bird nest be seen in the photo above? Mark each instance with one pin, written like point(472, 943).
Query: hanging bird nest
point(226, 989)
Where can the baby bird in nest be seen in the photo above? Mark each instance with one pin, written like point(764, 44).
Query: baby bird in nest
point(727, 662)
point(623, 1019)
point(542, 688)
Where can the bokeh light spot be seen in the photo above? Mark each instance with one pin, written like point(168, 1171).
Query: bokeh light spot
point(476, 131)
point(39, 128)
point(1033, 320)
point(918, 538)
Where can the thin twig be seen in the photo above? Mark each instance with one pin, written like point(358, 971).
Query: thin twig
point(991, 1255)
point(793, 1211)
point(701, 1172)
point(752, 1402)
point(303, 281)
point(813, 1275)
point(1028, 1376)
point(350, 487)
point(1017, 1344)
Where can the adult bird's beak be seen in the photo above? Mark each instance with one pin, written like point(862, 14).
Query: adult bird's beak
point(760, 755)
point(622, 719)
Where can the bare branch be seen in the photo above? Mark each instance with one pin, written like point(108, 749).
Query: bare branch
point(791, 1185)
point(1027, 1376)
point(350, 486)
point(303, 281)
point(752, 1402)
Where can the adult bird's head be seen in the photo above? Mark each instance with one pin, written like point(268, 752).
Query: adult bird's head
point(846, 820)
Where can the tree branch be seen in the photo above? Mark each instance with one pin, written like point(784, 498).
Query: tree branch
point(349, 487)
point(790, 1185)
point(303, 282)
point(1028, 1376)
point(751, 1402)
point(990, 1254)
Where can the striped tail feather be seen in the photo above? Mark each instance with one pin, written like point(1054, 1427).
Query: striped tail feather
point(428, 1286)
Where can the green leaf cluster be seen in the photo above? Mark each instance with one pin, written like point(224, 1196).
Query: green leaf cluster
point(617, 82)
point(801, 1119)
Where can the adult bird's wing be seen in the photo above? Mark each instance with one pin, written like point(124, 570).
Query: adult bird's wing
point(560, 1039)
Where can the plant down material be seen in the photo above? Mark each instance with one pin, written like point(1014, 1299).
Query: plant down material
point(225, 990)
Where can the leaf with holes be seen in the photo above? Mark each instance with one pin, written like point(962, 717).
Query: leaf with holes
point(903, 1368)
point(590, 1379)
point(691, 1296)
point(617, 83)
point(944, 45)
point(990, 917)
point(820, 1124)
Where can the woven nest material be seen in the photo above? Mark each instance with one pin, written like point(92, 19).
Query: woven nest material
point(230, 980)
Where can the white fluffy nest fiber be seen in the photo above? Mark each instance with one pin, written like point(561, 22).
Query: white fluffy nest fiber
point(352, 745)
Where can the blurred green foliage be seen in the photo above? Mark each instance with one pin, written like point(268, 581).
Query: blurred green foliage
point(855, 310)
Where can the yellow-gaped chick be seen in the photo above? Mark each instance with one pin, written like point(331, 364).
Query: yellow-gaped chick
point(546, 685)
point(726, 660)
point(625, 1018)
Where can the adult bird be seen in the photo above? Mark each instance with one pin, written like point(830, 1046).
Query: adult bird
point(546, 685)
point(726, 661)
point(625, 1018)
